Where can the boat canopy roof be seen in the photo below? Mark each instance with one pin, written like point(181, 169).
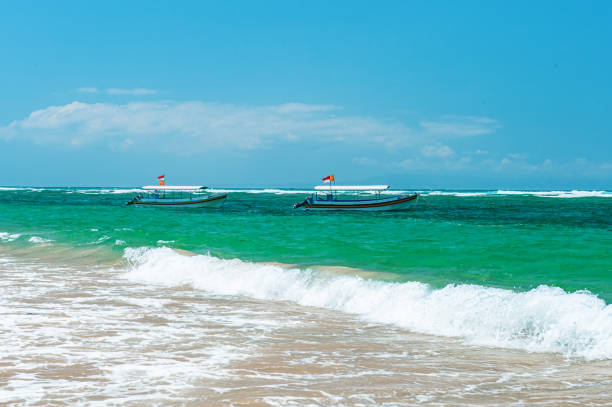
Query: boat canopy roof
point(351, 187)
point(173, 188)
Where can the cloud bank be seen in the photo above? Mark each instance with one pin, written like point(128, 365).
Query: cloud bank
point(199, 126)
point(461, 126)
point(438, 151)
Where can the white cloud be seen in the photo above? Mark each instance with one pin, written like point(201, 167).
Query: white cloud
point(119, 91)
point(460, 126)
point(199, 126)
point(132, 92)
point(6, 133)
point(452, 162)
point(409, 164)
point(87, 90)
point(517, 156)
point(437, 151)
point(304, 108)
point(365, 161)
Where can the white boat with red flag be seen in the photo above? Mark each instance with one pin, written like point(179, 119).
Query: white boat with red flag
point(355, 197)
point(177, 196)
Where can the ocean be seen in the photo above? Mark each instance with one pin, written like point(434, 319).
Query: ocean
point(470, 298)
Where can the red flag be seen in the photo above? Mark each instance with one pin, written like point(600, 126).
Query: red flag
point(160, 177)
point(329, 178)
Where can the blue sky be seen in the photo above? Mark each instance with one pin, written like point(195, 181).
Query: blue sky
point(434, 94)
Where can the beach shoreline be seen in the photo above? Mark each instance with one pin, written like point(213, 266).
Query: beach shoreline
point(102, 339)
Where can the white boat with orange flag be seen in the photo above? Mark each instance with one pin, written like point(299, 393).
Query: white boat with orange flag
point(352, 197)
point(177, 196)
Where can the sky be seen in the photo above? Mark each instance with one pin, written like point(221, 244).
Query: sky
point(415, 94)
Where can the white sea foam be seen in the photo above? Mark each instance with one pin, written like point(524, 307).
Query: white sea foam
point(453, 193)
point(101, 240)
point(103, 191)
point(545, 319)
point(559, 194)
point(9, 237)
point(37, 240)
point(80, 335)
point(21, 189)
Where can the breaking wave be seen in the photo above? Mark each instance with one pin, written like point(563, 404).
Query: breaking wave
point(545, 319)
point(560, 194)
point(111, 191)
point(457, 193)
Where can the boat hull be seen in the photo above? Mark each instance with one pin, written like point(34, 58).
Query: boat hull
point(393, 203)
point(211, 201)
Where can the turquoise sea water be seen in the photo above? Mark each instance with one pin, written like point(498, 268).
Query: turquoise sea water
point(470, 298)
point(506, 239)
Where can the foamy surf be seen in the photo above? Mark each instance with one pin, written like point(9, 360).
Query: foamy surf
point(79, 334)
point(459, 194)
point(111, 191)
point(560, 194)
point(9, 237)
point(545, 319)
point(39, 240)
